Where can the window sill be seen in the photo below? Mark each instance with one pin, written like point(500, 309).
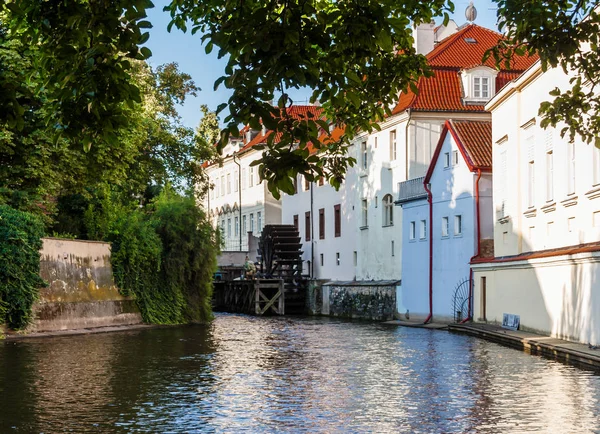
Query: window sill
point(458, 235)
point(504, 220)
point(593, 193)
point(388, 226)
point(549, 207)
point(413, 240)
point(362, 228)
point(569, 201)
point(531, 212)
point(445, 237)
point(422, 239)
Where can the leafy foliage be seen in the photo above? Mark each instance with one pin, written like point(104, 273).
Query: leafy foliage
point(164, 255)
point(20, 243)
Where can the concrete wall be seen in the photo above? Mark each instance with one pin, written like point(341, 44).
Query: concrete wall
point(365, 300)
point(81, 291)
point(558, 296)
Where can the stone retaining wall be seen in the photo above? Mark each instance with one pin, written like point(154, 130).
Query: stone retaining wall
point(373, 300)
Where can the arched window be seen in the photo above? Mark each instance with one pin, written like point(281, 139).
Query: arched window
point(388, 210)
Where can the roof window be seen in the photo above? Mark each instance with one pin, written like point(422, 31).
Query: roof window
point(470, 40)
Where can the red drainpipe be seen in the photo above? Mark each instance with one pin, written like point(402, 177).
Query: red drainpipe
point(430, 200)
point(470, 315)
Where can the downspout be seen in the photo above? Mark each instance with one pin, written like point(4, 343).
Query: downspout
point(312, 233)
point(240, 199)
point(430, 200)
point(478, 251)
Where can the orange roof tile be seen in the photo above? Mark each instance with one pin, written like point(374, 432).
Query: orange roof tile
point(461, 50)
point(476, 139)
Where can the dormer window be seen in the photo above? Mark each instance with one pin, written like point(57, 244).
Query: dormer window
point(479, 84)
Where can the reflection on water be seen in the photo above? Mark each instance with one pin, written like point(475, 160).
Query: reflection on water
point(272, 375)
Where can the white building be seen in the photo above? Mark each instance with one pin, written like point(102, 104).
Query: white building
point(546, 221)
point(403, 149)
point(452, 227)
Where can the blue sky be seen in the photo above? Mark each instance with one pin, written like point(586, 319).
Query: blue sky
point(187, 50)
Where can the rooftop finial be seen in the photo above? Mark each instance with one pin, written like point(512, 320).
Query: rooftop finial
point(471, 13)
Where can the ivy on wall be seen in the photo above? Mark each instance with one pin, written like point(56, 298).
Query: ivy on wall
point(20, 243)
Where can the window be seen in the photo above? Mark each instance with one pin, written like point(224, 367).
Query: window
point(237, 226)
point(223, 229)
point(337, 258)
point(375, 142)
point(228, 183)
point(244, 178)
point(549, 176)
point(549, 228)
point(447, 159)
point(355, 258)
point(388, 210)
point(412, 232)
point(455, 158)
point(296, 221)
point(365, 216)
point(457, 225)
point(258, 221)
point(376, 201)
point(306, 184)
point(251, 222)
point(307, 225)
point(531, 184)
point(444, 226)
point(503, 183)
point(393, 145)
point(363, 151)
point(244, 225)
point(295, 184)
point(212, 192)
point(228, 228)
point(571, 224)
point(393, 253)
point(596, 165)
point(571, 167)
point(236, 181)
point(337, 221)
point(222, 185)
point(251, 180)
point(322, 261)
point(596, 219)
point(322, 224)
point(423, 233)
point(483, 303)
point(481, 87)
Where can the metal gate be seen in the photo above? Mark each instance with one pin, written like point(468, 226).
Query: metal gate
point(460, 300)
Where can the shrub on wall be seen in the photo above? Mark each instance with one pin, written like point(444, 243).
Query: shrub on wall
point(20, 243)
point(165, 257)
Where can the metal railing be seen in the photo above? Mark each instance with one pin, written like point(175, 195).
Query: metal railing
point(233, 244)
point(412, 189)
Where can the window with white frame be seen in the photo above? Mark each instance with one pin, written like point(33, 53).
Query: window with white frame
point(244, 227)
point(531, 184)
point(364, 154)
point(423, 230)
point(251, 222)
point(244, 178)
point(455, 158)
point(457, 225)
point(228, 228)
point(228, 183)
point(412, 231)
point(595, 165)
point(258, 221)
point(571, 167)
point(447, 159)
point(444, 226)
point(388, 210)
point(393, 145)
point(502, 187)
point(365, 211)
point(236, 181)
point(237, 226)
point(222, 185)
point(549, 176)
point(251, 180)
point(481, 87)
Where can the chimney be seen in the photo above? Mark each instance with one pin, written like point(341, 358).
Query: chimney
point(424, 37)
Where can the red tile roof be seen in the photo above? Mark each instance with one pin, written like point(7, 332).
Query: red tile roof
point(476, 140)
point(459, 51)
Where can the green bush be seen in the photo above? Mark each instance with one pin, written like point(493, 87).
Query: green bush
point(165, 257)
point(20, 243)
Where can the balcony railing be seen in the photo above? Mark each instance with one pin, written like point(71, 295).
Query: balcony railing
point(410, 190)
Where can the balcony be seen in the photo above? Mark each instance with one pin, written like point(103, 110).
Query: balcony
point(410, 190)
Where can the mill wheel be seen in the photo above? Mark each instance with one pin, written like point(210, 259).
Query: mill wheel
point(279, 250)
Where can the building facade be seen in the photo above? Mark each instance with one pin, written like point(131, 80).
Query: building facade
point(450, 222)
point(546, 219)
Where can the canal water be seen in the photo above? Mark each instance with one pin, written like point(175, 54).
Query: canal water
point(248, 374)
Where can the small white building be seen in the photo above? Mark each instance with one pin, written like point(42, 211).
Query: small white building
point(546, 219)
point(445, 227)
